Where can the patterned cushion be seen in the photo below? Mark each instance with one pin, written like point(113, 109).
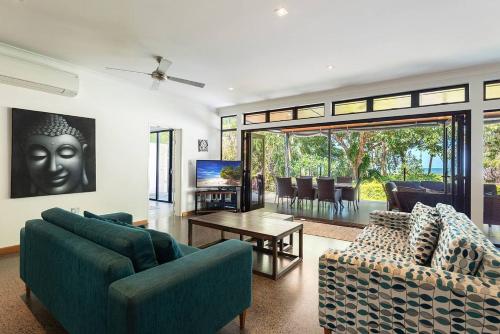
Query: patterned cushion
point(424, 233)
point(490, 265)
point(383, 237)
point(459, 247)
point(403, 256)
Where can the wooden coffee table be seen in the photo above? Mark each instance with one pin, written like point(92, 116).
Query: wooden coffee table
point(257, 226)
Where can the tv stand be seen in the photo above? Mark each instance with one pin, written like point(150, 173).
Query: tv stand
point(212, 200)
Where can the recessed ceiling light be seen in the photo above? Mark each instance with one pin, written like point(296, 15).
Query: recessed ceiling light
point(281, 11)
point(330, 67)
point(231, 88)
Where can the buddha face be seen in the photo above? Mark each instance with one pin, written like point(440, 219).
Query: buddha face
point(56, 165)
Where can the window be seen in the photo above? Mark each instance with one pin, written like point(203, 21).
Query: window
point(392, 102)
point(350, 107)
point(283, 115)
point(229, 123)
point(255, 118)
point(443, 96)
point(311, 112)
point(492, 90)
point(288, 114)
point(491, 170)
point(229, 141)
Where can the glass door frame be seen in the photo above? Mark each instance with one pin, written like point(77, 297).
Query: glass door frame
point(157, 165)
point(247, 203)
point(461, 180)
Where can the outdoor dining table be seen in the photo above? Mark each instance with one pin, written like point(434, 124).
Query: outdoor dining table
point(340, 185)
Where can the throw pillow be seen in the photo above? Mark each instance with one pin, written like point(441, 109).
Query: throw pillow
point(165, 246)
point(424, 233)
point(459, 249)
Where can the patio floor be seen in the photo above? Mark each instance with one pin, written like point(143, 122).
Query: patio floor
point(325, 211)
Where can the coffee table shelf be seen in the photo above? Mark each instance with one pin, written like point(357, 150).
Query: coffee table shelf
point(261, 228)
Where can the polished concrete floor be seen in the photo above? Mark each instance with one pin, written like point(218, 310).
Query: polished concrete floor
point(289, 305)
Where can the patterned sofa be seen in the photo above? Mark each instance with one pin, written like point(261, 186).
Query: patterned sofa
point(431, 271)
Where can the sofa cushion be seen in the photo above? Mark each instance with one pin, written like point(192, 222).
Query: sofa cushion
point(424, 233)
point(135, 244)
point(62, 218)
point(384, 237)
point(165, 246)
point(459, 248)
point(373, 252)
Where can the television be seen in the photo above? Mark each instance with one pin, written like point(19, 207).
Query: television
point(218, 174)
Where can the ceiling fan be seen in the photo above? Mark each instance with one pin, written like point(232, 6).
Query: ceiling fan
point(160, 75)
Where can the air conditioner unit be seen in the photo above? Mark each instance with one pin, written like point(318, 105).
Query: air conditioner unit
point(27, 74)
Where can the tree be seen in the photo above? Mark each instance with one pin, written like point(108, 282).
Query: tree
point(491, 162)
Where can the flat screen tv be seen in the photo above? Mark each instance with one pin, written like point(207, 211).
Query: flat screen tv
point(218, 174)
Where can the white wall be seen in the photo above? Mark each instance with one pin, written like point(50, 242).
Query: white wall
point(123, 114)
point(475, 76)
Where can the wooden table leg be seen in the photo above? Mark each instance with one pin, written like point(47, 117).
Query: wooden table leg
point(190, 233)
point(243, 317)
point(301, 237)
point(275, 258)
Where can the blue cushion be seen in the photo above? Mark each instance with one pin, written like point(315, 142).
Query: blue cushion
point(165, 246)
point(133, 243)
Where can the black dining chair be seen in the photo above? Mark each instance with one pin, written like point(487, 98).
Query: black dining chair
point(344, 179)
point(391, 196)
point(490, 189)
point(351, 195)
point(305, 189)
point(284, 189)
point(328, 193)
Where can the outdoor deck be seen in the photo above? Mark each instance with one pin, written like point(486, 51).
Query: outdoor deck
point(325, 211)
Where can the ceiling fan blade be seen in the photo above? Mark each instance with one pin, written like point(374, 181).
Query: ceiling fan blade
point(155, 85)
point(163, 65)
point(124, 70)
point(187, 82)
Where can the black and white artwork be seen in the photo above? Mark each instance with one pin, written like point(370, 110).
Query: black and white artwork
point(52, 154)
point(202, 145)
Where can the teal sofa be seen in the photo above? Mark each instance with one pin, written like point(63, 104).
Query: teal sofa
point(72, 266)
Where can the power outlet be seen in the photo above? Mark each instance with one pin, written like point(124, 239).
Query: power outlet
point(75, 210)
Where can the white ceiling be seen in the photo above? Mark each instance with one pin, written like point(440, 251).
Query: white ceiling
point(243, 44)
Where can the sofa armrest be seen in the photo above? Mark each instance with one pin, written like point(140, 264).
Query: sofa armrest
point(198, 293)
point(391, 296)
point(396, 220)
point(120, 216)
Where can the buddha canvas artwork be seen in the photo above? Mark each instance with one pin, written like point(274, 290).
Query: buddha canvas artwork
point(52, 154)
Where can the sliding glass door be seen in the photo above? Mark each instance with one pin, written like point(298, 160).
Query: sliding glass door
point(160, 166)
point(253, 174)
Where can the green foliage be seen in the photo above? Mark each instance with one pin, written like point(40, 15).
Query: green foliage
point(229, 145)
point(230, 173)
point(491, 162)
point(372, 190)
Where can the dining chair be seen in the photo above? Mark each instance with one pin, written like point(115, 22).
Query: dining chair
point(328, 193)
point(390, 194)
point(305, 189)
point(351, 195)
point(284, 189)
point(344, 179)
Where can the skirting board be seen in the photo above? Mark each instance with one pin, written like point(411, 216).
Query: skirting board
point(188, 213)
point(9, 250)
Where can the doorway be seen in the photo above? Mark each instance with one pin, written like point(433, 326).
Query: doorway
point(160, 165)
point(254, 179)
point(441, 161)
